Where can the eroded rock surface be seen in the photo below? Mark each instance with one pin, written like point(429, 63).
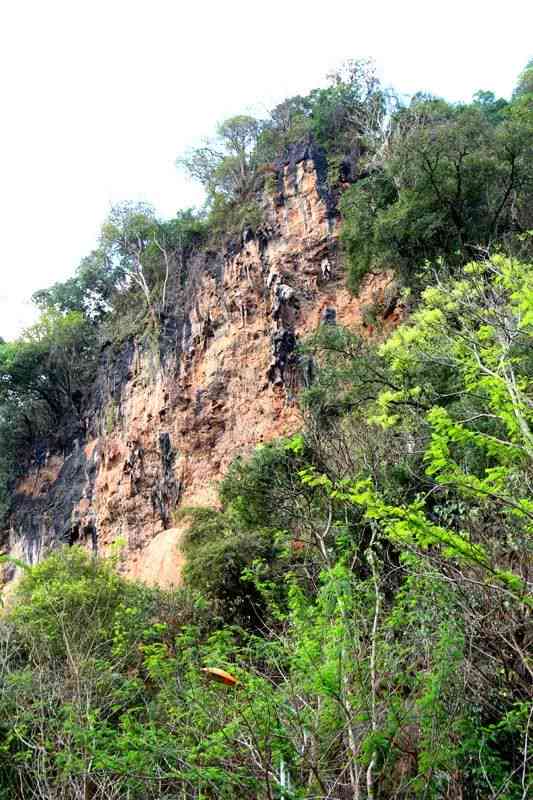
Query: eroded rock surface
point(161, 431)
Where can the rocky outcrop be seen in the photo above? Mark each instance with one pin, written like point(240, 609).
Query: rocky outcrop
point(163, 424)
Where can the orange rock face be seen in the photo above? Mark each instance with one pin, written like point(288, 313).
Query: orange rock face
point(175, 429)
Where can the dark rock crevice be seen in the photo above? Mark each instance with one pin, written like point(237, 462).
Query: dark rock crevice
point(166, 491)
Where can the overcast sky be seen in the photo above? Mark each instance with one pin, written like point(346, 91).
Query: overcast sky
point(98, 97)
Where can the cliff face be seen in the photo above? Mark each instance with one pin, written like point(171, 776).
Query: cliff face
point(161, 431)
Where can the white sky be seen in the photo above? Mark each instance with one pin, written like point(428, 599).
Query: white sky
point(98, 97)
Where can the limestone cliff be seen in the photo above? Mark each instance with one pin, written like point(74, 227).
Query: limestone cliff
point(161, 428)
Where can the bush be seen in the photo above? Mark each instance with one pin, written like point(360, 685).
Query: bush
point(221, 550)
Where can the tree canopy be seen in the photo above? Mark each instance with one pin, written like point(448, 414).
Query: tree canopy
point(454, 182)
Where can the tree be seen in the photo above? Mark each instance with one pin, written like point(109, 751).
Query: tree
point(349, 113)
point(494, 109)
point(177, 239)
point(89, 291)
point(524, 86)
point(455, 183)
point(50, 363)
point(43, 379)
point(128, 238)
point(288, 123)
point(227, 165)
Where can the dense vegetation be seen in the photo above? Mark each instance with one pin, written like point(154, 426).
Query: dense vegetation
point(368, 581)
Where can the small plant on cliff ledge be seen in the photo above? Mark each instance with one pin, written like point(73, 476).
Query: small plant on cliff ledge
point(111, 416)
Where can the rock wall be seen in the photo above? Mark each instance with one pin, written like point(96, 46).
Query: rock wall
point(161, 431)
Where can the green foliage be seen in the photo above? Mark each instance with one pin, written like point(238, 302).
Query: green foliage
point(229, 218)
point(256, 489)
point(348, 113)
point(288, 123)
point(185, 232)
point(221, 548)
point(150, 255)
point(227, 165)
point(111, 416)
point(493, 108)
point(69, 602)
point(43, 375)
point(228, 169)
point(369, 244)
point(49, 362)
point(89, 292)
point(472, 423)
point(344, 117)
point(453, 181)
point(524, 87)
